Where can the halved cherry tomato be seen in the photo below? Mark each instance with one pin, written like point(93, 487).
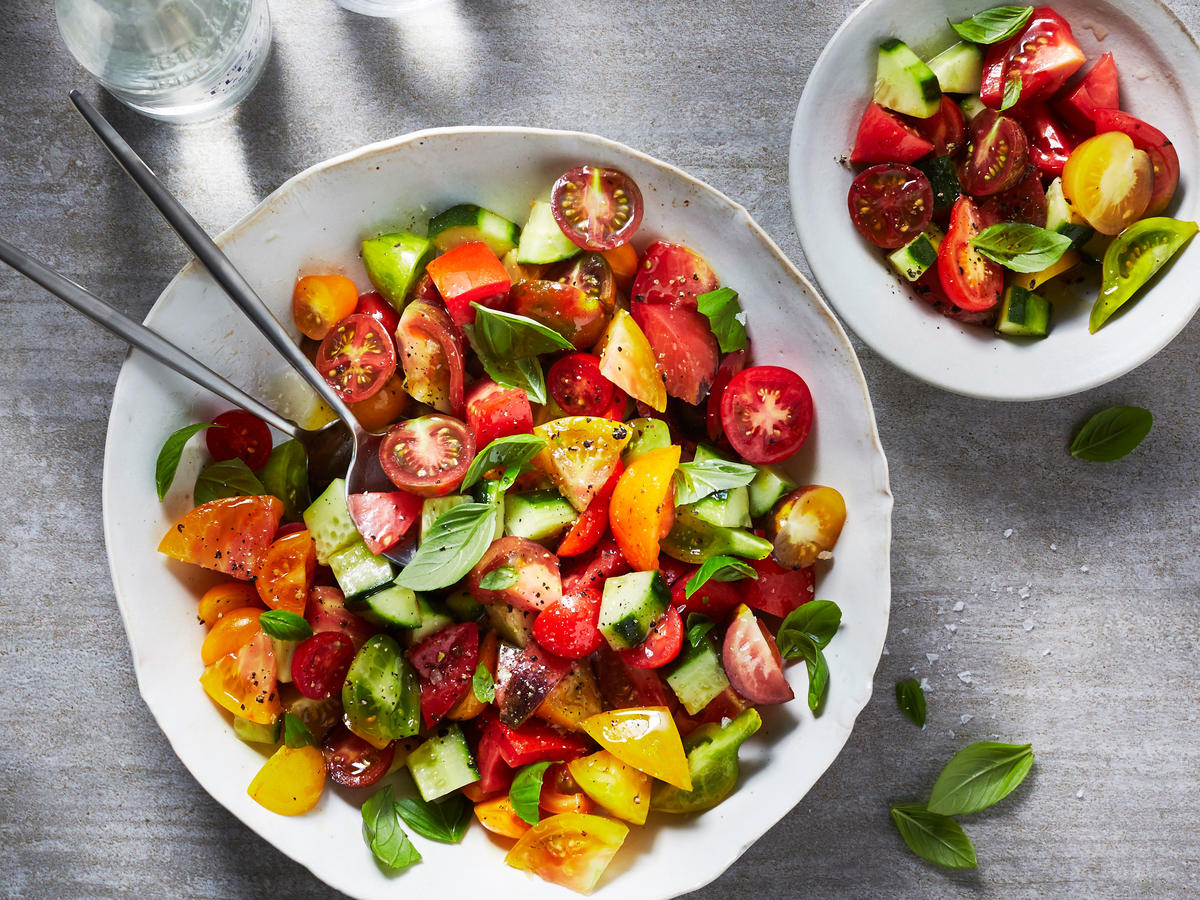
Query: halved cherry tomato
point(596, 208)
point(1041, 58)
point(537, 742)
point(674, 274)
point(662, 643)
point(321, 301)
point(239, 435)
point(593, 521)
point(929, 288)
point(221, 599)
point(672, 570)
point(603, 562)
point(427, 456)
point(592, 274)
point(563, 307)
point(571, 849)
point(245, 682)
point(767, 412)
point(384, 517)
point(357, 357)
point(971, 280)
point(286, 574)
point(886, 138)
point(568, 626)
point(372, 304)
point(1023, 202)
point(629, 362)
point(575, 383)
point(291, 782)
point(352, 762)
point(431, 354)
point(494, 412)
point(537, 582)
point(1049, 141)
point(891, 204)
point(730, 366)
point(326, 611)
point(1109, 181)
point(445, 663)
point(385, 406)
point(945, 129)
point(1163, 156)
point(752, 660)
point(561, 794)
point(777, 590)
point(623, 261)
point(641, 502)
point(645, 738)
point(714, 599)
point(469, 272)
point(1098, 90)
point(684, 348)
point(232, 632)
point(498, 817)
point(320, 663)
point(806, 524)
point(996, 155)
point(228, 535)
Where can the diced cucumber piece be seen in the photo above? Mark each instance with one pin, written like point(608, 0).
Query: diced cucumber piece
point(1031, 281)
point(1023, 313)
point(648, 434)
point(442, 764)
point(943, 179)
point(971, 107)
point(435, 507)
point(1061, 218)
point(434, 618)
point(630, 605)
point(698, 677)
point(959, 69)
point(542, 241)
point(463, 607)
point(767, 487)
point(284, 651)
point(394, 262)
point(914, 258)
point(328, 521)
point(394, 605)
point(467, 222)
point(254, 733)
point(904, 83)
point(511, 624)
point(360, 572)
point(538, 516)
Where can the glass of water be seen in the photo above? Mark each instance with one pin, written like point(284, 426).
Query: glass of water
point(176, 60)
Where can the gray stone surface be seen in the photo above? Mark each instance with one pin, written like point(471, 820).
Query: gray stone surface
point(1078, 582)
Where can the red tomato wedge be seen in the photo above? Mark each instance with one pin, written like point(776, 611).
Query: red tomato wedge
point(945, 129)
point(592, 522)
point(534, 570)
point(714, 599)
point(624, 686)
point(671, 273)
point(494, 411)
point(469, 272)
point(1023, 202)
point(1049, 141)
point(383, 517)
point(286, 572)
point(357, 357)
point(1163, 156)
point(970, 280)
point(596, 208)
point(1099, 89)
point(427, 456)
point(239, 435)
point(538, 742)
point(777, 590)
point(1041, 57)
point(683, 345)
point(752, 660)
point(352, 762)
point(730, 366)
point(445, 663)
point(886, 138)
point(495, 774)
point(431, 354)
point(229, 535)
point(320, 663)
point(578, 387)
point(603, 562)
point(767, 412)
point(326, 611)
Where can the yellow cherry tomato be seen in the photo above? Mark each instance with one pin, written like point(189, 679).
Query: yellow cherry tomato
point(1108, 181)
point(245, 683)
point(225, 598)
point(321, 301)
point(645, 738)
point(290, 782)
point(617, 786)
point(231, 632)
point(642, 503)
point(627, 360)
point(385, 406)
point(806, 524)
point(571, 849)
point(580, 455)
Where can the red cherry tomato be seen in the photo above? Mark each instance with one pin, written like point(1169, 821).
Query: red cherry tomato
point(945, 129)
point(767, 412)
point(1040, 58)
point(593, 521)
point(1049, 141)
point(494, 412)
point(1163, 156)
point(563, 307)
point(431, 355)
point(537, 742)
point(577, 386)
point(671, 273)
point(730, 366)
point(537, 583)
point(384, 517)
point(891, 204)
point(971, 281)
point(777, 590)
point(603, 562)
point(996, 155)
point(240, 435)
point(752, 661)
point(683, 345)
point(886, 138)
point(445, 663)
point(596, 208)
point(357, 357)
point(592, 274)
point(929, 288)
point(352, 762)
point(428, 456)
point(320, 663)
point(568, 626)
point(1023, 202)
point(372, 304)
point(1098, 90)
point(714, 599)
point(661, 645)
point(326, 611)
point(672, 570)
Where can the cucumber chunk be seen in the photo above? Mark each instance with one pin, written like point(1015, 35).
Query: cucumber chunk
point(914, 258)
point(394, 262)
point(394, 605)
point(442, 764)
point(630, 605)
point(538, 516)
point(903, 83)
point(729, 508)
point(467, 222)
point(434, 507)
point(943, 178)
point(328, 521)
point(542, 241)
point(959, 69)
point(767, 487)
point(1061, 218)
point(1023, 313)
point(971, 107)
point(253, 733)
point(697, 678)
point(359, 572)
point(463, 607)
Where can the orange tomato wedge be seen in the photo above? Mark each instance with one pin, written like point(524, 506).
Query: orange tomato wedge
point(645, 738)
point(571, 849)
point(321, 301)
point(287, 571)
point(225, 598)
point(498, 817)
point(229, 535)
point(245, 682)
point(232, 632)
point(623, 260)
point(642, 503)
point(290, 782)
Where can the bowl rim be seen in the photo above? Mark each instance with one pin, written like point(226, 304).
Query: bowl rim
point(883, 494)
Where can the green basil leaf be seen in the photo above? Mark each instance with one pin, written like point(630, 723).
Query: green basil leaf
point(514, 450)
point(499, 579)
point(508, 479)
point(526, 791)
point(698, 626)
point(993, 25)
point(1012, 92)
point(228, 478)
point(523, 374)
point(483, 685)
point(719, 568)
point(170, 454)
point(444, 821)
point(978, 776)
point(818, 679)
point(936, 838)
point(457, 540)
point(509, 336)
point(725, 318)
point(911, 699)
point(1020, 246)
point(383, 834)
point(296, 734)
point(1112, 433)
point(696, 480)
point(816, 620)
point(284, 626)
point(285, 476)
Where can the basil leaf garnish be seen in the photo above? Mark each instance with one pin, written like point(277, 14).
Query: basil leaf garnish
point(978, 776)
point(457, 540)
point(911, 700)
point(444, 821)
point(1012, 92)
point(285, 476)
point(284, 626)
point(1020, 246)
point(296, 734)
point(523, 374)
point(228, 478)
point(509, 336)
point(719, 568)
point(725, 318)
point(170, 454)
point(1112, 433)
point(383, 834)
point(696, 480)
point(817, 620)
point(993, 25)
point(483, 685)
point(499, 579)
point(526, 791)
point(698, 626)
point(934, 837)
point(514, 450)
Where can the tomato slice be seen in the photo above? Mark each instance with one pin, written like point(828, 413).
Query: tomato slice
point(321, 301)
point(494, 773)
point(645, 738)
point(222, 599)
point(286, 573)
point(1023, 202)
point(372, 304)
point(431, 354)
point(767, 412)
point(352, 762)
point(806, 524)
point(385, 406)
point(730, 366)
point(714, 599)
point(623, 261)
point(592, 273)
point(1041, 58)
point(971, 280)
point(535, 568)
point(629, 362)
point(1109, 181)
point(384, 517)
point(526, 742)
point(577, 386)
point(326, 611)
point(642, 502)
point(563, 307)
point(587, 530)
point(291, 782)
point(571, 849)
point(245, 682)
point(580, 455)
point(777, 590)
point(239, 435)
point(1049, 141)
point(228, 535)
point(427, 456)
point(684, 348)
point(494, 411)
point(945, 129)
point(891, 204)
point(662, 643)
point(1163, 157)
point(752, 661)
point(596, 208)
point(886, 138)
point(320, 663)
point(357, 357)
point(603, 562)
point(674, 274)
point(1098, 90)
point(468, 272)
point(996, 155)
point(568, 626)
point(445, 663)
point(231, 632)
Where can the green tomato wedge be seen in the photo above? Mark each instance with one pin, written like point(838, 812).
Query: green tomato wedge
point(1133, 259)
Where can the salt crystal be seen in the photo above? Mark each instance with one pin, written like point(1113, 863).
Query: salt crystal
point(941, 610)
point(924, 684)
point(1054, 547)
point(1046, 652)
point(952, 628)
point(1023, 593)
point(1079, 793)
point(958, 607)
point(952, 733)
point(904, 631)
point(1008, 532)
point(887, 652)
point(964, 677)
point(932, 657)
point(1083, 568)
point(1028, 624)
point(965, 718)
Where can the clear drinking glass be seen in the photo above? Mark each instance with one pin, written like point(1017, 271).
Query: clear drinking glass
point(176, 60)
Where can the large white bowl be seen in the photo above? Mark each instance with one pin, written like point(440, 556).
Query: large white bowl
point(316, 220)
point(1160, 68)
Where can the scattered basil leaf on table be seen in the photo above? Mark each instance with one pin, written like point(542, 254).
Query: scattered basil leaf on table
point(444, 821)
point(383, 834)
point(170, 454)
point(993, 25)
point(510, 336)
point(523, 374)
point(284, 626)
point(285, 475)
point(228, 478)
point(1020, 246)
point(514, 450)
point(499, 579)
point(934, 837)
point(696, 480)
point(698, 625)
point(1012, 92)
point(719, 568)
point(978, 776)
point(296, 734)
point(1112, 433)
point(725, 318)
point(526, 791)
point(483, 685)
point(817, 620)
point(457, 540)
point(911, 700)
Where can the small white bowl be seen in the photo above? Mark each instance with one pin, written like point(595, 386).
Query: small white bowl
point(315, 221)
point(1159, 68)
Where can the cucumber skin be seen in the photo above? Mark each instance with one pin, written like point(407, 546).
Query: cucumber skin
point(903, 83)
point(328, 521)
point(625, 622)
point(542, 241)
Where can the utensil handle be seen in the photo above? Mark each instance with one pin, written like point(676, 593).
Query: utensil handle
point(149, 342)
point(211, 257)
